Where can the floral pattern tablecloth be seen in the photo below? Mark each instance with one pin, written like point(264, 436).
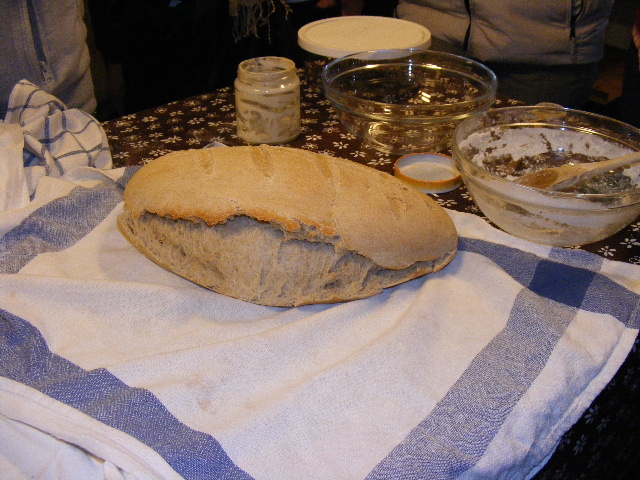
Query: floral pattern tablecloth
point(604, 444)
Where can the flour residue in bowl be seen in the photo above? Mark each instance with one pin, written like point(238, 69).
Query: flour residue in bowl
point(512, 152)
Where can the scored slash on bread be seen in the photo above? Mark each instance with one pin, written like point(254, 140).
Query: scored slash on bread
point(283, 226)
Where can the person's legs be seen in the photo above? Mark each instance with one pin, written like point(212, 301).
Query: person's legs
point(566, 85)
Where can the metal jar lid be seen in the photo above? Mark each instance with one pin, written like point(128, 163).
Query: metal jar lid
point(428, 172)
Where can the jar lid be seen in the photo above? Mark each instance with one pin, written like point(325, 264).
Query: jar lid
point(428, 172)
point(339, 36)
point(266, 69)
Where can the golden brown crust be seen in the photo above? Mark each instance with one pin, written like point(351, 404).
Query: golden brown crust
point(364, 210)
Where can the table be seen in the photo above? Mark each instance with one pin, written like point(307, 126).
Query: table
point(603, 444)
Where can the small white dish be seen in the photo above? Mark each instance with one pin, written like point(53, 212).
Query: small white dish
point(428, 172)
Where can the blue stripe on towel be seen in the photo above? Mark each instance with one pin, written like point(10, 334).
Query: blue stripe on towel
point(576, 258)
point(25, 358)
point(453, 437)
point(561, 283)
point(568, 276)
point(126, 176)
point(59, 224)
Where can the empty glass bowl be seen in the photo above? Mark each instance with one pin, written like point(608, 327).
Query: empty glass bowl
point(408, 100)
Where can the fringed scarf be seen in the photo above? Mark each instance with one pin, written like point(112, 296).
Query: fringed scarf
point(248, 15)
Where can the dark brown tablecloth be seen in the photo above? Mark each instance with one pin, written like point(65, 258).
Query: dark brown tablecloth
point(604, 444)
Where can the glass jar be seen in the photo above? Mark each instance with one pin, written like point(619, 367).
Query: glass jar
point(267, 92)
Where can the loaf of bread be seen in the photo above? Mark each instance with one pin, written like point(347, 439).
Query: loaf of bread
point(283, 226)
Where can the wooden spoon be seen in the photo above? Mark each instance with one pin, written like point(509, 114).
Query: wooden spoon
point(559, 178)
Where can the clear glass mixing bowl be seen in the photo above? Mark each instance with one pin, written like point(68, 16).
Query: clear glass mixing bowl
point(494, 148)
point(407, 101)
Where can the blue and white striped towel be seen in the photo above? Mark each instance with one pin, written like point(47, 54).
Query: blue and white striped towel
point(52, 140)
point(111, 367)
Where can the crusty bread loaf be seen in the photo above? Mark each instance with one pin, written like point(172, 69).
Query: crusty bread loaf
point(282, 226)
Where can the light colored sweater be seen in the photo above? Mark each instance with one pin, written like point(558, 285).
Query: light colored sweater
point(544, 32)
point(44, 41)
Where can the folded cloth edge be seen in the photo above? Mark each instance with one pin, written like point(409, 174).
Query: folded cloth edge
point(22, 403)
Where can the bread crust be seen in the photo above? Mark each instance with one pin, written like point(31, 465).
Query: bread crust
point(361, 209)
point(283, 226)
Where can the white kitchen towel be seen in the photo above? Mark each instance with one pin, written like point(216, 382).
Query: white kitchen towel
point(54, 140)
point(472, 372)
